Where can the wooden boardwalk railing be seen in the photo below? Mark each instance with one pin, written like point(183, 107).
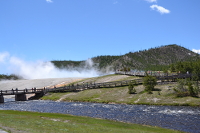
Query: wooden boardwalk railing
point(69, 88)
point(159, 76)
point(20, 95)
point(84, 86)
point(24, 91)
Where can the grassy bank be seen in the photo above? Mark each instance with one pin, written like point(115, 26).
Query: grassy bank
point(164, 95)
point(32, 122)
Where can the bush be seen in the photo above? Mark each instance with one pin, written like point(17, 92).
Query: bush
point(186, 88)
point(131, 87)
point(149, 83)
point(191, 90)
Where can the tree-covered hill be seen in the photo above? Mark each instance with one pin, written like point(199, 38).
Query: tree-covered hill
point(158, 58)
point(9, 77)
point(66, 64)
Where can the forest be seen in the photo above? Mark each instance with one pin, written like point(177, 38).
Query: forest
point(192, 67)
point(155, 59)
point(9, 77)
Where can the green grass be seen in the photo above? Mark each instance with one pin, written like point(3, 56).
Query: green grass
point(164, 95)
point(33, 122)
point(53, 96)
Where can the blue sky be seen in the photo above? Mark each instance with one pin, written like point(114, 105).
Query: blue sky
point(46, 30)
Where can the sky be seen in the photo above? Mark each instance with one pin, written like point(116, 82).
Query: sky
point(33, 31)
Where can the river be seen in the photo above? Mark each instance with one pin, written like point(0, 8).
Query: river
point(181, 118)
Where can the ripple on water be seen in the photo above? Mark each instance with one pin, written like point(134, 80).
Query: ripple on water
point(179, 118)
point(182, 111)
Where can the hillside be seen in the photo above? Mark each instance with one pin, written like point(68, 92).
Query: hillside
point(157, 58)
point(152, 59)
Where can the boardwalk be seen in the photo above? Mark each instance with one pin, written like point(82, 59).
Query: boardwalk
point(20, 95)
point(24, 91)
point(84, 86)
point(160, 76)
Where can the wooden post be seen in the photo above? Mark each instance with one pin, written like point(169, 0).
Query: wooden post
point(1, 99)
point(20, 97)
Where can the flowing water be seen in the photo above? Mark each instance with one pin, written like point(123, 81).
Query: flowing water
point(173, 117)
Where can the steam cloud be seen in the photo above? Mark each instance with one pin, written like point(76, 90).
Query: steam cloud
point(42, 69)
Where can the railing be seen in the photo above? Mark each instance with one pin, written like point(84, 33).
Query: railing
point(24, 91)
point(158, 75)
point(84, 86)
point(70, 88)
point(81, 87)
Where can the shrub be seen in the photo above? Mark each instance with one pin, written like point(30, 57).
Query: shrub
point(185, 88)
point(131, 87)
point(191, 90)
point(149, 83)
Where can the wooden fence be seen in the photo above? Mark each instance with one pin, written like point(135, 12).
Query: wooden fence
point(81, 87)
point(84, 86)
point(24, 91)
point(160, 76)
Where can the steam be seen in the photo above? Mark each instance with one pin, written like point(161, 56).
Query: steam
point(43, 69)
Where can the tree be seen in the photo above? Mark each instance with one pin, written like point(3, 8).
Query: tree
point(191, 90)
point(131, 89)
point(196, 71)
point(185, 88)
point(172, 68)
point(149, 83)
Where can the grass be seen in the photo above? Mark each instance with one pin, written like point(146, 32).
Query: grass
point(33, 122)
point(163, 95)
point(53, 96)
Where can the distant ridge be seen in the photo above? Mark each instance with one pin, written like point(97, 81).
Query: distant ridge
point(152, 59)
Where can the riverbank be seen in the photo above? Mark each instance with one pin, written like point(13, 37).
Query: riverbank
point(32, 122)
point(163, 94)
point(167, 117)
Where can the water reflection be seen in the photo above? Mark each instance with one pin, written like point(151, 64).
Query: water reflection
point(179, 118)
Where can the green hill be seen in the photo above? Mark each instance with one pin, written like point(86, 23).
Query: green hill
point(158, 58)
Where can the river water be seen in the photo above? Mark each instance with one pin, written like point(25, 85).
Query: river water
point(173, 117)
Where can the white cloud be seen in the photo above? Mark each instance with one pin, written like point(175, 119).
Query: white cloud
point(196, 50)
point(49, 1)
point(160, 9)
point(151, 1)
